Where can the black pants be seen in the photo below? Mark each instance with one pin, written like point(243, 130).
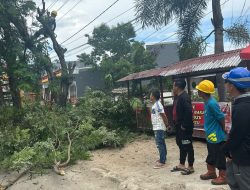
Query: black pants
point(185, 144)
point(238, 176)
point(216, 156)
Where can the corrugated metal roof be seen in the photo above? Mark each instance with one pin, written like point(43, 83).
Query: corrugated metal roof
point(142, 75)
point(210, 62)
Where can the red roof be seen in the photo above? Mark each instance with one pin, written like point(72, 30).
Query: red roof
point(210, 62)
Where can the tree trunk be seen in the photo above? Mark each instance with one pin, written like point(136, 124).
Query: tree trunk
point(15, 94)
point(218, 27)
point(1, 96)
point(217, 22)
point(10, 56)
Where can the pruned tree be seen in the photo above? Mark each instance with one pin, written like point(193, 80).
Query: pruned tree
point(67, 70)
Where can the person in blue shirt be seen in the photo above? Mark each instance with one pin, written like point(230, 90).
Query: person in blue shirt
point(214, 125)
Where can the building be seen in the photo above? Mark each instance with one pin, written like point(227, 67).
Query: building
point(166, 53)
point(84, 77)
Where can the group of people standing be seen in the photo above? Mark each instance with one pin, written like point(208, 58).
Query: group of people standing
point(229, 153)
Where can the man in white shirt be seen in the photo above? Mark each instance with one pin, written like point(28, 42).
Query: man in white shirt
point(159, 122)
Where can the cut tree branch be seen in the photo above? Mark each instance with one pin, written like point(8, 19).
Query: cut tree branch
point(58, 167)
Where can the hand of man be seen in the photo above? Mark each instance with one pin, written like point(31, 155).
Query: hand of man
point(228, 159)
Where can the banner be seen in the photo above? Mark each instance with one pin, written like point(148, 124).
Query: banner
point(198, 114)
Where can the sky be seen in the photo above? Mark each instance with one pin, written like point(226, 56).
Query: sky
point(70, 20)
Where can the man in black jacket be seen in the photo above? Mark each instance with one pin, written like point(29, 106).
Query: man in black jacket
point(237, 147)
point(183, 120)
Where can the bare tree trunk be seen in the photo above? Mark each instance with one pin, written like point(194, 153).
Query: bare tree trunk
point(217, 22)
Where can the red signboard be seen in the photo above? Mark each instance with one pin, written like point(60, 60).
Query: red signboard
point(198, 114)
point(226, 109)
point(198, 117)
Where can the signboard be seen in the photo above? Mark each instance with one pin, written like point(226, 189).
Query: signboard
point(226, 109)
point(198, 115)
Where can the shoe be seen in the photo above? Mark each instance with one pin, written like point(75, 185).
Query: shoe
point(177, 169)
point(211, 173)
point(221, 179)
point(157, 161)
point(187, 171)
point(159, 165)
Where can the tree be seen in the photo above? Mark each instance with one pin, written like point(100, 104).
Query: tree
point(113, 42)
point(13, 51)
point(188, 15)
point(13, 19)
point(115, 53)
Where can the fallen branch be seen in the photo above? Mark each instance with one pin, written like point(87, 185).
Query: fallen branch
point(15, 180)
point(58, 167)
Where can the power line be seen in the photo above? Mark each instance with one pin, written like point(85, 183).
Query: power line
point(77, 47)
point(52, 4)
point(63, 5)
point(78, 51)
point(176, 19)
point(138, 29)
point(90, 33)
point(69, 11)
point(177, 32)
point(158, 31)
point(73, 49)
point(67, 53)
point(90, 22)
point(243, 8)
point(104, 23)
point(40, 4)
point(120, 15)
point(167, 38)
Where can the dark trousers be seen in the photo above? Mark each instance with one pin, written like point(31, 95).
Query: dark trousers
point(216, 156)
point(238, 177)
point(185, 144)
point(161, 145)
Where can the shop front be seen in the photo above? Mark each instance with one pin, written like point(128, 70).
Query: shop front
point(193, 71)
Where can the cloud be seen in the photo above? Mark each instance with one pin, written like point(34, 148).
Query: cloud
point(87, 10)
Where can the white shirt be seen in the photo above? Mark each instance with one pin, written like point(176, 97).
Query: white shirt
point(156, 118)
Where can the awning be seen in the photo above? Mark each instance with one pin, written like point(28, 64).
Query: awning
point(245, 53)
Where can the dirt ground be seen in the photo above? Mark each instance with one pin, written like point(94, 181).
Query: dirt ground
point(129, 168)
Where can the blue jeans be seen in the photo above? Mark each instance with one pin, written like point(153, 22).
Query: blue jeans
point(161, 145)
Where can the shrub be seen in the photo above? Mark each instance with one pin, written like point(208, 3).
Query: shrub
point(37, 136)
